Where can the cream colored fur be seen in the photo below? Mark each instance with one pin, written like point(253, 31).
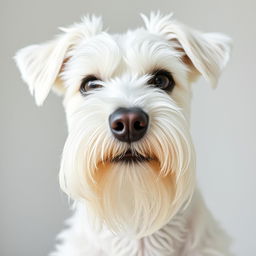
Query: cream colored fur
point(147, 208)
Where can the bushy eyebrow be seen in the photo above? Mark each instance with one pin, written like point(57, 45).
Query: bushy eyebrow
point(148, 56)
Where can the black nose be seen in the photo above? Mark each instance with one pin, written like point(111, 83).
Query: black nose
point(128, 124)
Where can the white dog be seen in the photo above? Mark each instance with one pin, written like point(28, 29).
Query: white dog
point(129, 162)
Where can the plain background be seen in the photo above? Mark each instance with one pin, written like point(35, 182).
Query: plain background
point(31, 139)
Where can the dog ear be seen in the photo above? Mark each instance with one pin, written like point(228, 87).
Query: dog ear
point(207, 53)
point(40, 65)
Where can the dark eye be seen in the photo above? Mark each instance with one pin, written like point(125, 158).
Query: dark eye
point(89, 83)
point(163, 80)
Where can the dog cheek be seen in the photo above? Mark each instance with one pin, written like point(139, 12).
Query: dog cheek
point(72, 103)
point(182, 97)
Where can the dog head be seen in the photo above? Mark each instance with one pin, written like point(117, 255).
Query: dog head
point(129, 154)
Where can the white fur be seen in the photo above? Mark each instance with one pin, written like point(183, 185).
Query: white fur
point(147, 208)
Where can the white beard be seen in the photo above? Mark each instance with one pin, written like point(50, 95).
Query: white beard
point(134, 200)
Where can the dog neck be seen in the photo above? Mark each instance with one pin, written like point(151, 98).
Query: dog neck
point(169, 240)
point(187, 233)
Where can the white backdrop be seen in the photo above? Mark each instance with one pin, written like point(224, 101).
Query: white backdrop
point(223, 121)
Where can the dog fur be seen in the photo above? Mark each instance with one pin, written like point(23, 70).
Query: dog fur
point(148, 208)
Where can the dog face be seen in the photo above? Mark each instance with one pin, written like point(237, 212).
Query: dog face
point(128, 155)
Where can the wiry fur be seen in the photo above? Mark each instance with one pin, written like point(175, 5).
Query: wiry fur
point(145, 208)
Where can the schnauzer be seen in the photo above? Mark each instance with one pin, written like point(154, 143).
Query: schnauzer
point(129, 162)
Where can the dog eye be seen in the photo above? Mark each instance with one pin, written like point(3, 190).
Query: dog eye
point(163, 80)
point(89, 83)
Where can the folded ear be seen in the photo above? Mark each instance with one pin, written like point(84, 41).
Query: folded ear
point(40, 65)
point(207, 52)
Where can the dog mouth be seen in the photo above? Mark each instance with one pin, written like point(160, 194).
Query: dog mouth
point(131, 157)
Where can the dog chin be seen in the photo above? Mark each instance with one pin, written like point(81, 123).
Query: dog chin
point(132, 198)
